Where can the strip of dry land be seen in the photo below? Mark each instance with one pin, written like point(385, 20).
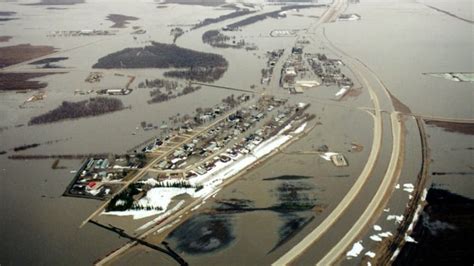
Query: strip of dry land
point(120, 21)
point(22, 81)
point(11, 55)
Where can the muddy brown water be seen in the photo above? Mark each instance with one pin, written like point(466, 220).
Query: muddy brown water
point(46, 225)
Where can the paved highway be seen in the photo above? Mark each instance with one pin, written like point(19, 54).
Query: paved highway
point(293, 253)
point(378, 201)
point(383, 190)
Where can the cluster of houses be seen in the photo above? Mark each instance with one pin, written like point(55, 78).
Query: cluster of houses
point(295, 72)
point(115, 91)
point(329, 70)
point(202, 116)
point(94, 77)
point(98, 177)
point(303, 71)
point(85, 32)
point(227, 139)
point(273, 57)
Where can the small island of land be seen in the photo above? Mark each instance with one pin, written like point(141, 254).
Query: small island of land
point(72, 110)
point(5, 38)
point(259, 17)
point(199, 66)
point(120, 21)
point(6, 16)
point(48, 60)
point(22, 81)
point(7, 13)
point(235, 14)
point(217, 39)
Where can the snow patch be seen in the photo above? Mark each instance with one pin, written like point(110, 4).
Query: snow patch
point(395, 254)
point(197, 207)
point(376, 238)
point(161, 217)
point(158, 198)
point(418, 210)
point(120, 203)
point(327, 155)
point(300, 128)
point(408, 187)
point(370, 254)
point(341, 92)
point(356, 250)
point(154, 198)
point(398, 218)
point(386, 234)
point(137, 214)
point(410, 239)
point(423, 196)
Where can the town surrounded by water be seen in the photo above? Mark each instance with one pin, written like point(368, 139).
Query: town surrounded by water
point(197, 132)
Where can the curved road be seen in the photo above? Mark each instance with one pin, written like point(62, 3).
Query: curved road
point(380, 197)
point(293, 253)
point(377, 201)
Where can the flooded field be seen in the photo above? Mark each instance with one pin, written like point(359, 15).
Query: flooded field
point(257, 218)
point(387, 47)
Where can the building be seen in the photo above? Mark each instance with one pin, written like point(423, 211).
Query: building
point(339, 160)
point(290, 71)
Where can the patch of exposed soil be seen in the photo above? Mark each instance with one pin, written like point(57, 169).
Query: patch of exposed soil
point(22, 81)
point(11, 55)
point(463, 128)
point(399, 106)
point(5, 38)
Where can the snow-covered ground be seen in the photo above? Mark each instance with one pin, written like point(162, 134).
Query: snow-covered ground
point(155, 198)
point(162, 216)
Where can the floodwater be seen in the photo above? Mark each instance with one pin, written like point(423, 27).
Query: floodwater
point(412, 40)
